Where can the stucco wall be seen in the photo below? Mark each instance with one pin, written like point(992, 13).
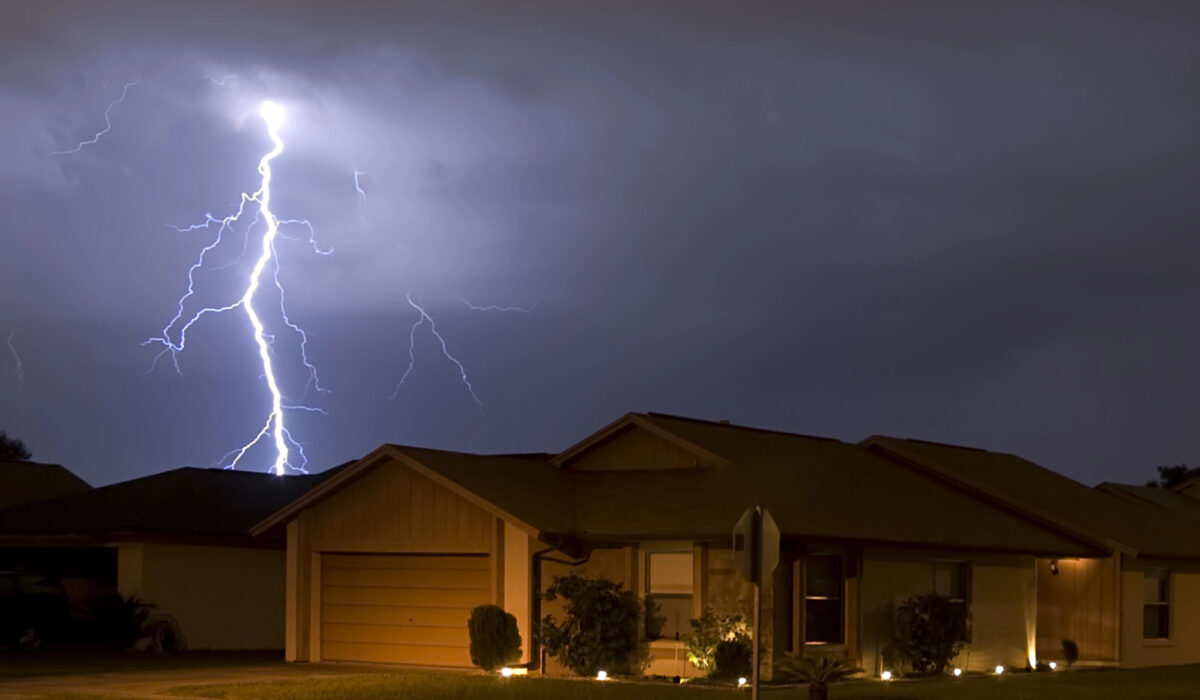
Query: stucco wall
point(1183, 647)
point(1003, 604)
point(222, 597)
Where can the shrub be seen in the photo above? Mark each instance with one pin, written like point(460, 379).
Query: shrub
point(930, 631)
point(817, 671)
point(1070, 651)
point(600, 629)
point(733, 658)
point(120, 621)
point(707, 632)
point(495, 640)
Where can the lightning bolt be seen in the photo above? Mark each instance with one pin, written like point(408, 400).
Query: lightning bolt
point(222, 81)
point(506, 309)
point(16, 356)
point(274, 428)
point(107, 123)
point(422, 319)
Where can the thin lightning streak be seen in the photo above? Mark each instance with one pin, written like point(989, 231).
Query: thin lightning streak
point(426, 318)
point(492, 307)
point(222, 81)
point(362, 194)
point(16, 356)
point(107, 123)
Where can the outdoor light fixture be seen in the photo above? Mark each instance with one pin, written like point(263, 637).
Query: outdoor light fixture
point(885, 676)
point(1054, 567)
point(999, 670)
point(506, 672)
point(957, 672)
point(602, 675)
point(741, 681)
point(1053, 665)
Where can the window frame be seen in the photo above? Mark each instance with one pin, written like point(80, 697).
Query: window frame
point(840, 598)
point(648, 552)
point(965, 584)
point(1164, 604)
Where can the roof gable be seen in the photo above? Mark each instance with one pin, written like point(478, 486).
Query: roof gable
point(29, 482)
point(635, 443)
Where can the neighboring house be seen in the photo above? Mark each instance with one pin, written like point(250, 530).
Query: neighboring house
point(1140, 605)
point(386, 559)
point(178, 539)
point(26, 482)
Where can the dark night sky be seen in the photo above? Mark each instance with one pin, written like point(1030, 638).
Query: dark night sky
point(968, 222)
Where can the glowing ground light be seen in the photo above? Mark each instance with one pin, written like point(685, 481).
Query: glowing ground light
point(999, 670)
point(1053, 665)
point(885, 676)
point(957, 672)
point(742, 681)
point(602, 675)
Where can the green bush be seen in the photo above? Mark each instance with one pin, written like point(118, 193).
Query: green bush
point(495, 640)
point(1070, 651)
point(120, 621)
point(600, 630)
point(707, 632)
point(930, 631)
point(817, 671)
point(733, 658)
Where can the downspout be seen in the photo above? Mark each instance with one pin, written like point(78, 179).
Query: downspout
point(535, 601)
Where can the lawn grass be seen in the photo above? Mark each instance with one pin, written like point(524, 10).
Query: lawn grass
point(74, 661)
point(1176, 683)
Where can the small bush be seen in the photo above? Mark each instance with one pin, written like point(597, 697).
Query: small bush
point(817, 671)
point(120, 621)
point(707, 632)
point(1070, 651)
point(600, 631)
point(929, 632)
point(733, 658)
point(495, 639)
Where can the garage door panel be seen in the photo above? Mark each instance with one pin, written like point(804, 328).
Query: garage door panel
point(395, 615)
point(417, 654)
point(397, 634)
point(408, 578)
point(380, 595)
point(424, 562)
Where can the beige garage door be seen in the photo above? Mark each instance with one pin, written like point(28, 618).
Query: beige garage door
point(400, 608)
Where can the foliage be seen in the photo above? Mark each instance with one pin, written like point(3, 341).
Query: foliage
point(930, 631)
point(817, 671)
point(12, 448)
point(120, 621)
point(707, 632)
point(1170, 477)
point(600, 629)
point(733, 658)
point(495, 639)
point(1070, 651)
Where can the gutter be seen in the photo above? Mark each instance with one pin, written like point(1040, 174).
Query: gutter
point(536, 660)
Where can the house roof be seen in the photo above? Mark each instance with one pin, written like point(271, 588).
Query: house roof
point(1044, 494)
point(1177, 503)
point(815, 488)
point(181, 503)
point(27, 482)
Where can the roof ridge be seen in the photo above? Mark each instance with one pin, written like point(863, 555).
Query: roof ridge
point(951, 444)
point(727, 424)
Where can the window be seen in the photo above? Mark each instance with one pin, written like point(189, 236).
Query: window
point(668, 594)
point(1156, 604)
point(952, 579)
point(823, 614)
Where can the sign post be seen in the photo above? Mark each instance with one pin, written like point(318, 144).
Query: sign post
point(755, 555)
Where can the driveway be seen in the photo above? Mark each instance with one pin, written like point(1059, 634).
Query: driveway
point(151, 683)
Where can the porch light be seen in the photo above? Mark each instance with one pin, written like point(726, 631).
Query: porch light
point(741, 681)
point(506, 672)
point(885, 676)
point(1053, 665)
point(957, 672)
point(999, 670)
point(602, 675)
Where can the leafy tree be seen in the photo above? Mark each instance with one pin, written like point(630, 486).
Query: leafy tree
point(930, 631)
point(12, 448)
point(1170, 477)
point(733, 658)
point(708, 631)
point(600, 628)
point(495, 640)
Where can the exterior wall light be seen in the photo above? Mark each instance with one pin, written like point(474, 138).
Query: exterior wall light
point(885, 676)
point(999, 670)
point(957, 672)
point(602, 675)
point(506, 672)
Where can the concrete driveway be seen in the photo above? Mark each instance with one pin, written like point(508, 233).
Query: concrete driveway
point(151, 683)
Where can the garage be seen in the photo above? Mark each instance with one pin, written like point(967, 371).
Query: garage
point(400, 608)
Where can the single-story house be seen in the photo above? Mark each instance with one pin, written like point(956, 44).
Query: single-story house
point(386, 558)
point(178, 539)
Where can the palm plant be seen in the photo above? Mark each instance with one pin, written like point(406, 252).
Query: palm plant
point(817, 671)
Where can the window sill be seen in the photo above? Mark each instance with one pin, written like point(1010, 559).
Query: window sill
point(1158, 642)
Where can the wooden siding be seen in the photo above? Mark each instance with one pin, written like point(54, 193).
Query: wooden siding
point(409, 609)
point(1079, 603)
point(394, 509)
point(633, 449)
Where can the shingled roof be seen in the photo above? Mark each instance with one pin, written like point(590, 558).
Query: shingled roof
point(185, 503)
point(1177, 503)
point(28, 482)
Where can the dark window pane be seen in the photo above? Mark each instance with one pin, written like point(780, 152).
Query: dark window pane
point(949, 579)
point(1154, 586)
point(823, 577)
point(823, 621)
point(667, 617)
point(1156, 622)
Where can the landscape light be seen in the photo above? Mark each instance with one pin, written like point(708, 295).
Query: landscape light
point(602, 675)
point(1053, 665)
point(506, 672)
point(957, 672)
point(885, 676)
point(741, 681)
point(999, 670)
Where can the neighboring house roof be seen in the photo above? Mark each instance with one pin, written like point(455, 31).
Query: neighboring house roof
point(27, 482)
point(181, 504)
point(1177, 503)
point(1048, 496)
point(815, 488)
